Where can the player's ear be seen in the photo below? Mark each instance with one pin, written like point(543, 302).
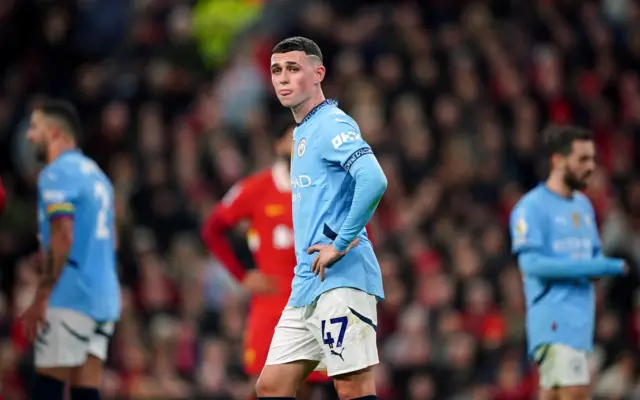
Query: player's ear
point(320, 73)
point(558, 160)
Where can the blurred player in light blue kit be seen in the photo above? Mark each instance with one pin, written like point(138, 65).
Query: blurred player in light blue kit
point(555, 237)
point(77, 302)
point(336, 184)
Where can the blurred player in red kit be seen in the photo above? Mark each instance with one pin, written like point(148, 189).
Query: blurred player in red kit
point(264, 200)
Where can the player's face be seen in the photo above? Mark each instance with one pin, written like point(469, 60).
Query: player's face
point(580, 164)
point(38, 134)
point(294, 76)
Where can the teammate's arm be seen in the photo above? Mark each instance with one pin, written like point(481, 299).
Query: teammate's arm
point(348, 149)
point(58, 253)
point(58, 196)
point(537, 265)
point(527, 231)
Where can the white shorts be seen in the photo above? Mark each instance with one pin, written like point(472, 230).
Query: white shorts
point(68, 337)
point(560, 366)
point(338, 330)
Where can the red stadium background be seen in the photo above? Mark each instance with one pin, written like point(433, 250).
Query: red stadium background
point(176, 105)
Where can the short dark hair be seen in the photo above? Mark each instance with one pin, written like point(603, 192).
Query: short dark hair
point(298, 43)
point(281, 126)
point(66, 113)
point(559, 139)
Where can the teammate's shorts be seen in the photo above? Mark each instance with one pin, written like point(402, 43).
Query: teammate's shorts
point(68, 337)
point(560, 366)
point(338, 330)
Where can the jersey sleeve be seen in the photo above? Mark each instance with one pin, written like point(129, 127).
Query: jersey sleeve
point(344, 145)
point(59, 193)
point(527, 228)
point(348, 149)
point(593, 226)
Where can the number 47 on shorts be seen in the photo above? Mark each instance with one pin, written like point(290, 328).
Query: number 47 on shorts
point(327, 338)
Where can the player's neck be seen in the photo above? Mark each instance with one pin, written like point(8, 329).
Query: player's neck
point(557, 185)
point(56, 149)
point(301, 110)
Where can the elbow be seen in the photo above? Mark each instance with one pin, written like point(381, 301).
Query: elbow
point(61, 243)
point(67, 243)
point(528, 270)
point(381, 184)
point(212, 229)
point(374, 183)
point(528, 265)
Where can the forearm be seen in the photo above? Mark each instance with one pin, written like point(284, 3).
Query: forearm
point(57, 254)
point(54, 262)
point(370, 185)
point(539, 266)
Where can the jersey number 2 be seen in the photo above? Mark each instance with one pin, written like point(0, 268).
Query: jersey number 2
point(102, 193)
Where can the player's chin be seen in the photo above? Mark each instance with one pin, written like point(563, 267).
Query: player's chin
point(583, 183)
point(41, 153)
point(287, 101)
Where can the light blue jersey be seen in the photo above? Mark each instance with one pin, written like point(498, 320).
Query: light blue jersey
point(336, 184)
point(73, 185)
point(558, 247)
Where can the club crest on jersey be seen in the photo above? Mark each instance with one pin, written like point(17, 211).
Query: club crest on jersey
point(575, 217)
point(521, 227)
point(302, 146)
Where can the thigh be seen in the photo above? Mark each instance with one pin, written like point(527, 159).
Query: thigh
point(344, 321)
point(547, 394)
point(283, 380)
point(63, 341)
point(293, 354)
point(89, 374)
point(100, 338)
point(563, 370)
point(292, 340)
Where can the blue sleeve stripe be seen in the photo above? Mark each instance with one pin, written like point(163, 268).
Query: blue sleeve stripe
point(355, 156)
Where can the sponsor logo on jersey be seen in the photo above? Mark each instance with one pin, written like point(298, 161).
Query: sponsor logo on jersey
point(274, 210)
point(345, 137)
point(301, 181)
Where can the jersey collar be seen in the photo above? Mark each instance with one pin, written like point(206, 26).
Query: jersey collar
point(74, 150)
point(70, 151)
point(551, 192)
point(327, 102)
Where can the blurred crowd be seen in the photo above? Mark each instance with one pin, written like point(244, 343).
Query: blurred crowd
point(451, 95)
